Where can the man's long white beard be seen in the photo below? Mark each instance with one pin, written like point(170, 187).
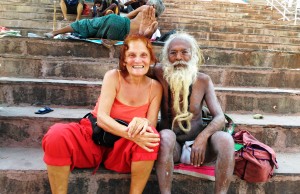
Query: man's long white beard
point(179, 80)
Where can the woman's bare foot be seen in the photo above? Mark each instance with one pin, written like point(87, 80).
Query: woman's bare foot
point(148, 24)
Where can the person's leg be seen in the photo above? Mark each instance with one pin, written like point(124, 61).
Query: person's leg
point(164, 164)
point(222, 145)
point(63, 7)
point(140, 172)
point(79, 11)
point(66, 146)
point(58, 178)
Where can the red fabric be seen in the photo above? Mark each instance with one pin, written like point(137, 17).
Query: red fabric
point(125, 112)
point(124, 152)
point(71, 144)
point(255, 162)
point(205, 172)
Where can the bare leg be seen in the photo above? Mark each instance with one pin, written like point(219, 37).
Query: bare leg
point(79, 11)
point(59, 31)
point(223, 145)
point(164, 162)
point(140, 172)
point(148, 24)
point(63, 7)
point(58, 178)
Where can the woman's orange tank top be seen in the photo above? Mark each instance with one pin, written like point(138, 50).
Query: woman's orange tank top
point(125, 112)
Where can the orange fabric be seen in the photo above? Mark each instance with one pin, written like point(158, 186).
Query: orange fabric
point(124, 112)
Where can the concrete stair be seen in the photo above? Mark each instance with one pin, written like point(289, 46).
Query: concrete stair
point(253, 59)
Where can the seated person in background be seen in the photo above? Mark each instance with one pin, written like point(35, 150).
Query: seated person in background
point(105, 7)
point(185, 92)
point(130, 5)
point(126, 94)
point(71, 7)
point(97, 7)
point(115, 27)
point(111, 6)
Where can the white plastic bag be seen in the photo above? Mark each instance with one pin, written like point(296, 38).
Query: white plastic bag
point(186, 152)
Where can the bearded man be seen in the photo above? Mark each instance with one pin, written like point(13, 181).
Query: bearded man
point(185, 91)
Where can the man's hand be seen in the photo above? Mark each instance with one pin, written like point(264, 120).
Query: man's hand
point(148, 24)
point(198, 151)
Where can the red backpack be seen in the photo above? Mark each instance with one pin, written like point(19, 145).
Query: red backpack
point(255, 161)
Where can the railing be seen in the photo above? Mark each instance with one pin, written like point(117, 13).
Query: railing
point(289, 9)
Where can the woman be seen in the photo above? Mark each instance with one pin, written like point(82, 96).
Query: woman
point(126, 94)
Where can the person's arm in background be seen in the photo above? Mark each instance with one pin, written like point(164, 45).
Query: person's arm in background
point(134, 13)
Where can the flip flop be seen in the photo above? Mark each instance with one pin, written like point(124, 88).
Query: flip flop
point(44, 110)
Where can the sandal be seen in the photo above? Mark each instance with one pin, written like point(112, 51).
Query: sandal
point(44, 110)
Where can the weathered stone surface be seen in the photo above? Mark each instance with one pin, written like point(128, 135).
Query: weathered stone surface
point(27, 129)
point(106, 182)
point(56, 67)
point(259, 102)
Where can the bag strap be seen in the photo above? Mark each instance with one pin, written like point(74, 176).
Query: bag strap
point(229, 126)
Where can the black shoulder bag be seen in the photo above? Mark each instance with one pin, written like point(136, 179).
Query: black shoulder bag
point(100, 136)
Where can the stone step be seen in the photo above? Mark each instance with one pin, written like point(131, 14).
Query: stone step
point(246, 45)
point(23, 171)
point(34, 11)
point(32, 1)
point(50, 47)
point(256, 4)
point(253, 21)
point(16, 91)
point(34, 16)
point(244, 30)
point(40, 23)
point(248, 18)
point(20, 127)
point(253, 77)
point(94, 69)
point(224, 22)
point(248, 38)
point(56, 67)
point(214, 55)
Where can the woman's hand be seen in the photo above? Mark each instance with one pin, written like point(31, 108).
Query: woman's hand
point(147, 141)
point(138, 126)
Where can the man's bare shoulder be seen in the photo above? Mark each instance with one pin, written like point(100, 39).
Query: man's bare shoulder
point(203, 77)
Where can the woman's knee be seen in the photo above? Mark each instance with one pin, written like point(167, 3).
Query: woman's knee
point(56, 134)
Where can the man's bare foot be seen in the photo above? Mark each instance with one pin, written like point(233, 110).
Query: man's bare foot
point(148, 24)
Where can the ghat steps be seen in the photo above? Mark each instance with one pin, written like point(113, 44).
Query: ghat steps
point(253, 59)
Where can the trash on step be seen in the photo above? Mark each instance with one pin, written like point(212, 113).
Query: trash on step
point(44, 110)
point(33, 35)
point(7, 32)
point(258, 116)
